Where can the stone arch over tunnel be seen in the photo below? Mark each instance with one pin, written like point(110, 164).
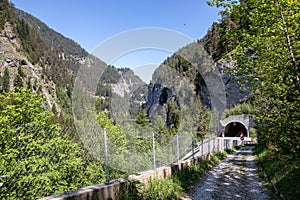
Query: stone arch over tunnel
point(235, 129)
point(234, 125)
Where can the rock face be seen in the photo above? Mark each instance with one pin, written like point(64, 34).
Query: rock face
point(128, 95)
point(11, 58)
point(200, 77)
point(234, 93)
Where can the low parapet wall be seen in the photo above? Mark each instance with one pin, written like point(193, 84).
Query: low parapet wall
point(115, 188)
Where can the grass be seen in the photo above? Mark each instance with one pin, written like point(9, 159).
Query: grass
point(282, 172)
point(172, 187)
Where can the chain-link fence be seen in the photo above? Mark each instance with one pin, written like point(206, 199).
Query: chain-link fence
point(38, 161)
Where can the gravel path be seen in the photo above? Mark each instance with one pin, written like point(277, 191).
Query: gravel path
point(235, 177)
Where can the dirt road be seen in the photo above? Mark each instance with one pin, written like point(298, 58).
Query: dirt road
point(235, 177)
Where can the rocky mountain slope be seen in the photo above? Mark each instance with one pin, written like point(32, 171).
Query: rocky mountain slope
point(190, 82)
point(43, 60)
point(49, 63)
point(51, 37)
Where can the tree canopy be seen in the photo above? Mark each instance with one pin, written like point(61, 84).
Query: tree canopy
point(38, 159)
point(266, 50)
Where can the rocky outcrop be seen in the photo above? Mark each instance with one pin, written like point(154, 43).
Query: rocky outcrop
point(158, 94)
point(200, 77)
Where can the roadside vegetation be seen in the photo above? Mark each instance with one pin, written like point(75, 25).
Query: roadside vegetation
point(280, 172)
point(262, 39)
point(172, 187)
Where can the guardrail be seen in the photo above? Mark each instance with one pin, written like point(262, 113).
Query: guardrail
point(208, 146)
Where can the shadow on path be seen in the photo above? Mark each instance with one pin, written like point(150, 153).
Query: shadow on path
point(236, 177)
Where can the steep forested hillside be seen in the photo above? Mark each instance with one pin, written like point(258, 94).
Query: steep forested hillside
point(51, 37)
point(39, 58)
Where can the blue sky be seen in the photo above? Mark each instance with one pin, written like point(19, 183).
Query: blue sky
point(91, 22)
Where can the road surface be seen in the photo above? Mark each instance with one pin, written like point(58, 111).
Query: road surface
point(236, 177)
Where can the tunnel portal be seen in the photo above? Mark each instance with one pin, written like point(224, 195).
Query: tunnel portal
point(234, 129)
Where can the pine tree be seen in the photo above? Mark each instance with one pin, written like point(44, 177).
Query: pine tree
point(18, 83)
point(20, 70)
point(5, 81)
point(29, 83)
point(142, 119)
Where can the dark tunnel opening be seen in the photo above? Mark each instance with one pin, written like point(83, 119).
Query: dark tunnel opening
point(234, 129)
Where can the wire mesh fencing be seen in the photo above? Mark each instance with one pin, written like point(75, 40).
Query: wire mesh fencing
point(39, 161)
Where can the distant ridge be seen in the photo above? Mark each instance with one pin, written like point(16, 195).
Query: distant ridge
point(54, 39)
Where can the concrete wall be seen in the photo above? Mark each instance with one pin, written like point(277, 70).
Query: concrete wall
point(115, 188)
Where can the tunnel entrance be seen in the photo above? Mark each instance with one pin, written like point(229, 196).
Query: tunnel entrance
point(234, 129)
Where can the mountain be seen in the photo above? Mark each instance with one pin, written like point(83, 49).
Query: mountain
point(191, 83)
point(54, 39)
point(43, 60)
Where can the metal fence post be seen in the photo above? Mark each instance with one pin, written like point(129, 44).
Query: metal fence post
point(209, 146)
point(153, 150)
point(202, 146)
point(106, 157)
point(193, 148)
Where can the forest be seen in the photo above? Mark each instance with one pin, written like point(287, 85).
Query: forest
point(40, 147)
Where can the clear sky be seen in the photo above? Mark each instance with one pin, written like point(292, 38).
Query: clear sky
point(90, 22)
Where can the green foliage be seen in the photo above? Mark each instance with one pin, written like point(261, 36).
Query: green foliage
point(22, 107)
point(142, 119)
point(171, 187)
point(52, 38)
point(111, 75)
point(267, 54)
point(103, 90)
point(127, 144)
point(203, 123)
point(173, 114)
point(37, 158)
point(55, 68)
point(132, 190)
point(6, 13)
point(28, 83)
point(114, 132)
point(20, 70)
point(282, 171)
point(64, 99)
point(159, 125)
point(18, 82)
point(5, 80)
point(239, 109)
point(162, 189)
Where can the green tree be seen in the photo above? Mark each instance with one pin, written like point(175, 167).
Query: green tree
point(159, 125)
point(20, 70)
point(114, 132)
point(267, 51)
point(5, 80)
point(18, 83)
point(173, 114)
point(142, 119)
point(29, 86)
point(37, 158)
